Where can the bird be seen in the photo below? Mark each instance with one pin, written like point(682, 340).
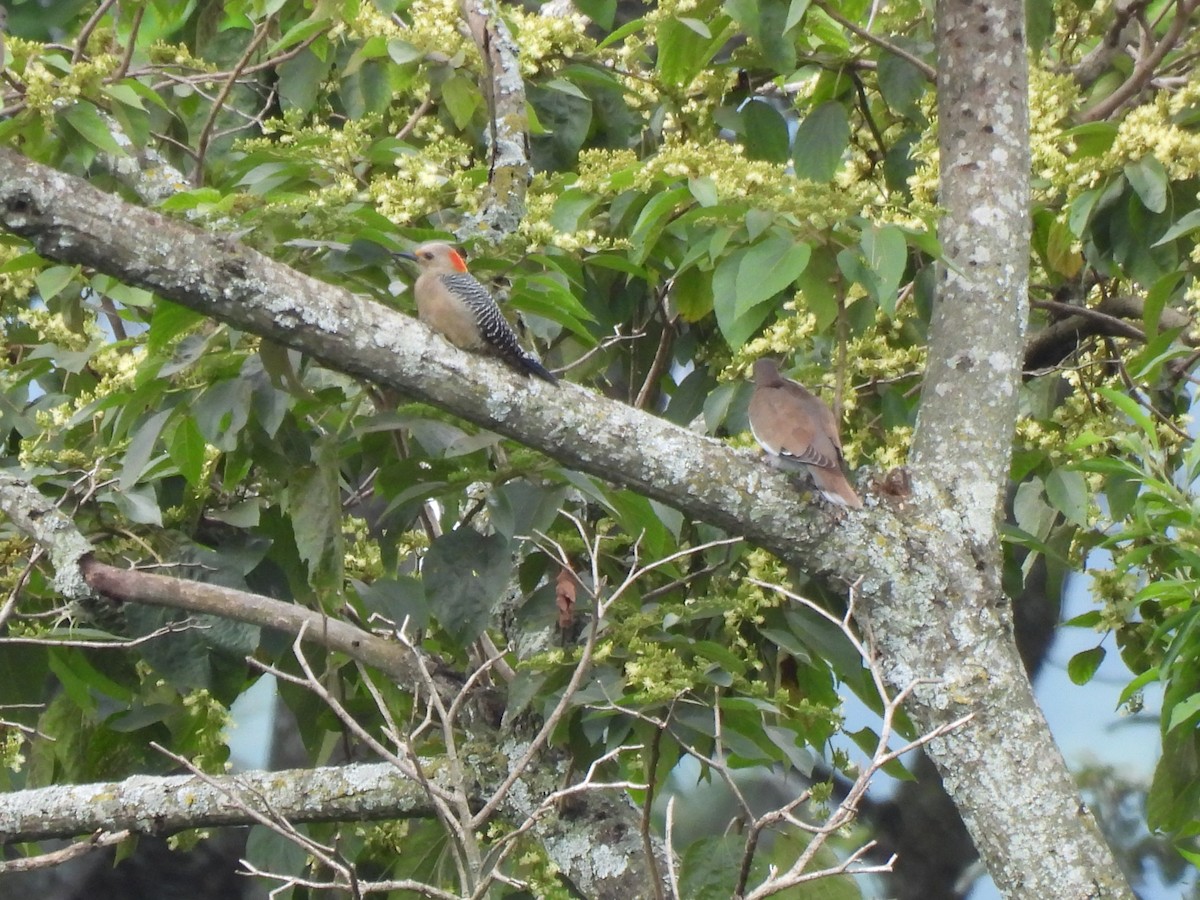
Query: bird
point(799, 432)
point(452, 302)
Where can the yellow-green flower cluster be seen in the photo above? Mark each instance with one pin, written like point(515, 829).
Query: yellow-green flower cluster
point(891, 453)
point(1191, 296)
point(53, 329)
point(781, 338)
point(422, 181)
point(737, 179)
point(1116, 591)
point(207, 718)
point(655, 672)
point(546, 42)
point(117, 365)
point(535, 232)
point(316, 143)
point(49, 90)
point(362, 558)
point(1148, 131)
point(15, 285)
point(11, 756)
point(368, 22)
point(436, 29)
point(162, 53)
point(1053, 96)
point(746, 603)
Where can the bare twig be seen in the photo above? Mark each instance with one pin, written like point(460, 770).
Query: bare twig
point(923, 67)
point(1145, 66)
point(416, 117)
point(116, 643)
point(97, 841)
point(131, 46)
point(206, 132)
point(662, 355)
point(88, 27)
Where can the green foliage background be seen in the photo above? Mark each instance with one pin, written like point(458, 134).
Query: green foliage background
point(714, 181)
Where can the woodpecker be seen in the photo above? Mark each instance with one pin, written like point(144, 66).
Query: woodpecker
point(799, 432)
point(452, 302)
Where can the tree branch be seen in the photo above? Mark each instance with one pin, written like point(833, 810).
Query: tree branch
point(168, 804)
point(77, 574)
point(1144, 69)
point(508, 130)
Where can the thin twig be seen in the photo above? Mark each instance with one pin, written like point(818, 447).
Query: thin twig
point(127, 57)
point(223, 95)
point(923, 67)
point(88, 27)
point(1143, 69)
point(120, 643)
point(97, 841)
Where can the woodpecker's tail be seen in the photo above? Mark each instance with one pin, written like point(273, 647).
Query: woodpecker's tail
point(530, 365)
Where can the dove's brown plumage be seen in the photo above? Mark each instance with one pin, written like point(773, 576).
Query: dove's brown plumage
point(798, 431)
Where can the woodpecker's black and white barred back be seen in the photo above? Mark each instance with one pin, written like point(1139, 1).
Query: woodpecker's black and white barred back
point(453, 302)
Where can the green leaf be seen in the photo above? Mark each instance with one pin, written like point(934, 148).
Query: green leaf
point(796, 12)
point(221, 412)
point(602, 12)
point(138, 504)
point(768, 268)
point(1156, 301)
point(1150, 675)
point(1149, 181)
point(1134, 411)
point(1092, 138)
point(313, 505)
point(704, 189)
point(141, 447)
point(1068, 492)
point(544, 296)
point(397, 599)
point(821, 141)
point(462, 99)
point(818, 285)
point(1089, 619)
point(51, 281)
point(1186, 225)
point(886, 255)
point(902, 84)
point(186, 449)
point(1184, 711)
point(682, 52)
point(402, 52)
point(298, 33)
point(1083, 665)
point(300, 79)
point(631, 27)
point(692, 294)
point(1061, 254)
point(1039, 18)
point(747, 278)
point(1175, 788)
point(465, 574)
point(650, 221)
point(766, 133)
point(86, 121)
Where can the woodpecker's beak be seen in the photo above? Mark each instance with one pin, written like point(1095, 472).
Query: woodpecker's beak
point(411, 257)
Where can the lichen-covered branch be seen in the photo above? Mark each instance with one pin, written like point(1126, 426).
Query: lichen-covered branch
point(165, 805)
point(508, 132)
